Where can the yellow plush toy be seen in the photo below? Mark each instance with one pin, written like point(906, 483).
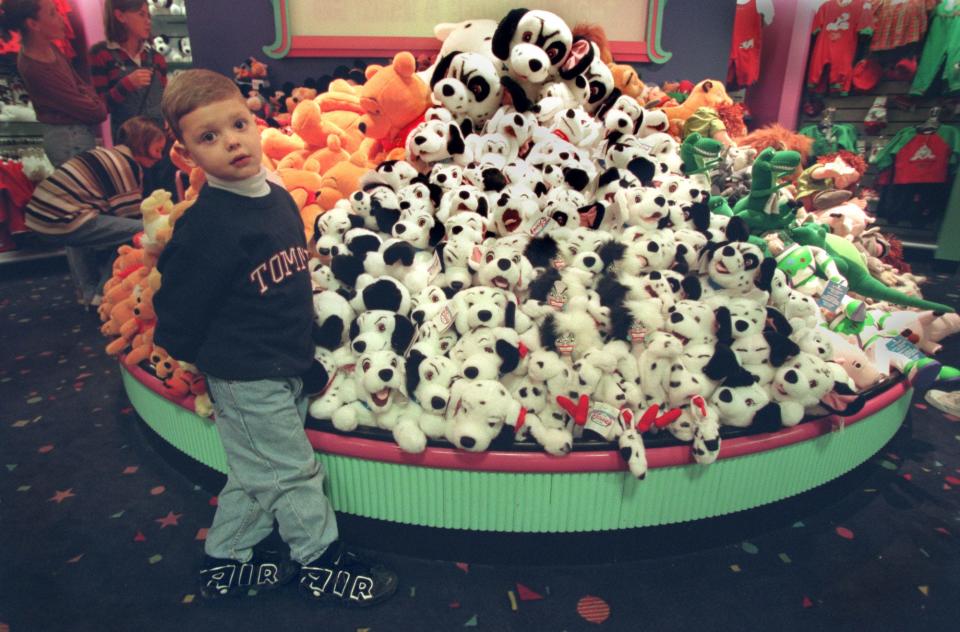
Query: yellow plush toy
point(394, 99)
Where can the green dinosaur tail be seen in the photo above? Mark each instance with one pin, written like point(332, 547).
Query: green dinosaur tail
point(863, 283)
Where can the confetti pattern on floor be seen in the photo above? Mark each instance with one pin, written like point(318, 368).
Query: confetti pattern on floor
point(107, 530)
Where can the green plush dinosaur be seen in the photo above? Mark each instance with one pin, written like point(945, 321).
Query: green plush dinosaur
point(700, 154)
point(768, 168)
point(854, 269)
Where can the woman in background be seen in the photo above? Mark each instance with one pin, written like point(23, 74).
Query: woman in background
point(67, 105)
point(131, 76)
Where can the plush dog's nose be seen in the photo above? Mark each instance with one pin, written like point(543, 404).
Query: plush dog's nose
point(653, 246)
point(419, 140)
point(418, 315)
point(622, 122)
point(742, 325)
point(464, 195)
point(359, 346)
point(442, 177)
point(676, 317)
point(457, 230)
point(503, 264)
point(571, 114)
point(518, 119)
point(404, 204)
point(323, 251)
point(728, 251)
point(484, 315)
point(447, 90)
point(385, 374)
point(468, 442)
point(437, 403)
point(471, 372)
point(655, 275)
point(400, 227)
point(358, 196)
point(589, 261)
point(535, 65)
point(791, 376)
point(457, 285)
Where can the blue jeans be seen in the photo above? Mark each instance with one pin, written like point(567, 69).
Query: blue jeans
point(274, 472)
point(63, 142)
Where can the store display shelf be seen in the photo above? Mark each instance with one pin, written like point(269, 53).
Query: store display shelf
point(536, 493)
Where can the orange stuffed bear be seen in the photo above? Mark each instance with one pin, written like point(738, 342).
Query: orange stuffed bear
point(394, 99)
point(706, 94)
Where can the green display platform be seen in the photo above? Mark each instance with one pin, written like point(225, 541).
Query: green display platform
point(502, 501)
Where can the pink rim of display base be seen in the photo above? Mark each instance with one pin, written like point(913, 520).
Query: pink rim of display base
point(539, 462)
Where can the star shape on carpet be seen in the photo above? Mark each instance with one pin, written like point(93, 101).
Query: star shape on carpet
point(61, 496)
point(171, 519)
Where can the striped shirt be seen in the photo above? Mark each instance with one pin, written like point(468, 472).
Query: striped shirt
point(109, 76)
point(100, 180)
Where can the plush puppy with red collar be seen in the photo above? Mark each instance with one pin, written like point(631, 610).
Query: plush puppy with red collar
point(468, 85)
point(536, 46)
point(655, 361)
point(578, 126)
point(478, 411)
point(377, 393)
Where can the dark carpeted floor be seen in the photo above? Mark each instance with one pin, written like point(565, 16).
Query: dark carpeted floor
point(100, 532)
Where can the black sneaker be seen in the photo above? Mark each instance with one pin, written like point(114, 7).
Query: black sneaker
point(265, 570)
point(343, 577)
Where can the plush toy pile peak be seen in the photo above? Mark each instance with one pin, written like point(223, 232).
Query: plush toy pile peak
point(518, 248)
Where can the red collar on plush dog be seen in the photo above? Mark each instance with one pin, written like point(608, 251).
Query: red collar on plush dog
point(521, 419)
point(559, 133)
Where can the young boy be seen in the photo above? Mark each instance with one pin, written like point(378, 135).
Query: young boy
point(236, 301)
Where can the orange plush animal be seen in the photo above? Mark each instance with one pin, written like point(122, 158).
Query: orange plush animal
point(708, 93)
point(394, 99)
point(342, 179)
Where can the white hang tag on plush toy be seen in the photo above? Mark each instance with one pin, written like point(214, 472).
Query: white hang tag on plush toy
point(602, 419)
point(558, 296)
point(539, 226)
point(434, 268)
point(901, 346)
point(832, 296)
point(444, 320)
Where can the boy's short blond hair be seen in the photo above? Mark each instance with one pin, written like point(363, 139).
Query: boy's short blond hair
point(192, 89)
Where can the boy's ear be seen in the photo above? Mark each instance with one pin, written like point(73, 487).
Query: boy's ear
point(183, 154)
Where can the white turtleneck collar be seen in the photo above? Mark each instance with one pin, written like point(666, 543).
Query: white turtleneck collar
point(253, 187)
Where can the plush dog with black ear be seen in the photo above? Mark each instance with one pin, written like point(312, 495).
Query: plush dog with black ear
point(428, 386)
point(501, 266)
point(488, 353)
point(394, 173)
point(378, 204)
point(380, 329)
point(468, 85)
point(798, 387)
point(431, 142)
point(535, 46)
point(481, 306)
point(464, 198)
point(735, 268)
point(739, 398)
point(378, 393)
point(329, 229)
point(380, 293)
point(760, 349)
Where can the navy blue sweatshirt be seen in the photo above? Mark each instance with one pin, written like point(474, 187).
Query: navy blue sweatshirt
point(235, 296)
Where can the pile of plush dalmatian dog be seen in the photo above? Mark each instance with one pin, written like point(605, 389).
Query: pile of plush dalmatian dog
point(550, 274)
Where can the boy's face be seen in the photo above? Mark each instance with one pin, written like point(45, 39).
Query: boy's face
point(222, 139)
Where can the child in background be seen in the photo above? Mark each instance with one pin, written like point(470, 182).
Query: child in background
point(236, 301)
